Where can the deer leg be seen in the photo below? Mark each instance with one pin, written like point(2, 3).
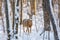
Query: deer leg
point(27, 30)
point(23, 29)
point(30, 30)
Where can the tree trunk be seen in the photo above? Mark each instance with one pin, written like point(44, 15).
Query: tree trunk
point(7, 19)
point(21, 13)
point(17, 19)
point(1, 15)
point(33, 6)
point(13, 10)
point(0, 8)
point(59, 11)
point(47, 3)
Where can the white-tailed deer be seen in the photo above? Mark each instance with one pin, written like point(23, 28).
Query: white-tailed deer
point(27, 23)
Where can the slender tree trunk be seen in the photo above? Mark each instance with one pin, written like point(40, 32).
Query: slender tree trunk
point(17, 19)
point(17, 3)
point(13, 10)
point(33, 6)
point(21, 13)
point(54, 2)
point(46, 19)
point(2, 15)
point(3, 25)
point(0, 8)
point(47, 3)
point(7, 19)
point(59, 11)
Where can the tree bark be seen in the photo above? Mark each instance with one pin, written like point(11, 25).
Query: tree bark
point(47, 3)
point(1, 15)
point(59, 11)
point(21, 14)
point(17, 19)
point(7, 19)
point(13, 11)
point(33, 6)
point(0, 7)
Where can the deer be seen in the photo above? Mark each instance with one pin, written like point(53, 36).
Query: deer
point(27, 23)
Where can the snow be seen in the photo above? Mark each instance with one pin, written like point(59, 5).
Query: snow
point(38, 21)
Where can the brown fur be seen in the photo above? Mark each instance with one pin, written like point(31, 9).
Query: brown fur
point(27, 23)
